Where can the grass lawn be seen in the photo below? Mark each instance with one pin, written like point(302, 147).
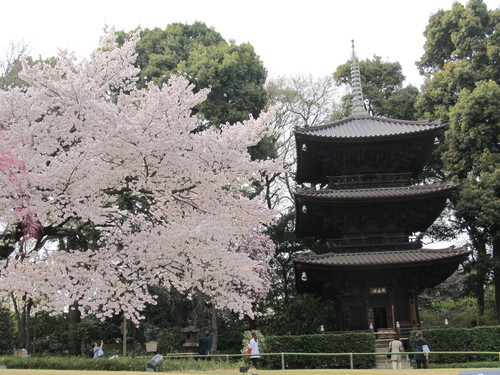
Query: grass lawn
point(236, 372)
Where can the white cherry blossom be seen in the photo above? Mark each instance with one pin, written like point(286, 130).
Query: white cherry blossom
point(166, 200)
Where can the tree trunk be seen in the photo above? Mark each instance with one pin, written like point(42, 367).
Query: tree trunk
point(124, 336)
point(74, 342)
point(481, 277)
point(481, 268)
point(21, 331)
point(480, 307)
point(496, 274)
point(27, 325)
point(134, 329)
point(215, 330)
point(178, 315)
point(23, 319)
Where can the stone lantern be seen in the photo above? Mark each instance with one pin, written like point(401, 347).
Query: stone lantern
point(191, 338)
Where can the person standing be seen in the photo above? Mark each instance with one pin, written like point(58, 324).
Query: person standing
point(421, 346)
point(396, 346)
point(253, 345)
point(205, 344)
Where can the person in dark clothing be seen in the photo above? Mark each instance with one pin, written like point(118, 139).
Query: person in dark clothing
point(205, 344)
point(420, 344)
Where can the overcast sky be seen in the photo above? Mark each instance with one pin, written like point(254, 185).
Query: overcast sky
point(290, 36)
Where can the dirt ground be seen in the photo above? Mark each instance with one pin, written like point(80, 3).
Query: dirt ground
point(236, 372)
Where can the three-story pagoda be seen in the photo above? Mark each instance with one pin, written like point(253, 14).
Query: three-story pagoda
point(363, 201)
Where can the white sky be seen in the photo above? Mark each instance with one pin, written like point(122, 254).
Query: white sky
point(290, 36)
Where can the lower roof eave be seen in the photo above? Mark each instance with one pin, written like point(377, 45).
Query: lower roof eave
point(460, 255)
point(378, 266)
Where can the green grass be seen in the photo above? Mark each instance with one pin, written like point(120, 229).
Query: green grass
point(484, 364)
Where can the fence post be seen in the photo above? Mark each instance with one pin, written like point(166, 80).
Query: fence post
point(282, 361)
point(352, 361)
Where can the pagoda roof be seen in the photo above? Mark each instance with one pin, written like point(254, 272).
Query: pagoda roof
point(361, 127)
point(384, 259)
point(394, 192)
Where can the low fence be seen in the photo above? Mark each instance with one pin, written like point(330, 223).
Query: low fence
point(229, 357)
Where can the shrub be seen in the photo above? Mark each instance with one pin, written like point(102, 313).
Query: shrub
point(229, 341)
point(446, 339)
point(170, 340)
point(6, 332)
point(322, 343)
point(460, 340)
point(50, 333)
point(485, 339)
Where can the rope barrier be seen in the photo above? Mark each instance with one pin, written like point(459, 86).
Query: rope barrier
point(351, 355)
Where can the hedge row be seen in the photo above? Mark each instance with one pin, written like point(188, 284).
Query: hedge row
point(108, 364)
point(321, 343)
point(477, 339)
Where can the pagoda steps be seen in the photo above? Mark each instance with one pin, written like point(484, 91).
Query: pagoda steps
point(382, 362)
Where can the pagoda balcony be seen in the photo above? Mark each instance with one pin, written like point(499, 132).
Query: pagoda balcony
point(361, 181)
point(374, 242)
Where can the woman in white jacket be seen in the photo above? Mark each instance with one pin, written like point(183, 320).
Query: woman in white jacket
point(253, 345)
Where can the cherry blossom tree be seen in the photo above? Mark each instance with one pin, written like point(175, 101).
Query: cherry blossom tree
point(17, 212)
point(131, 193)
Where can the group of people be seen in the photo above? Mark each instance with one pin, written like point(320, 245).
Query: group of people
point(421, 347)
point(204, 348)
point(395, 348)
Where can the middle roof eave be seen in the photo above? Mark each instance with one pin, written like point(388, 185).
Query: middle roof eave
point(383, 258)
point(380, 192)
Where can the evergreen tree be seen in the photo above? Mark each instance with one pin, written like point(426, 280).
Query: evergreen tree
point(460, 64)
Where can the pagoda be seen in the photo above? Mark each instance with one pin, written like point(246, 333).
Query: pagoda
point(357, 192)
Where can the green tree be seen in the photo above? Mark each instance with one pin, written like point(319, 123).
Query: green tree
point(159, 52)
point(472, 159)
point(234, 72)
point(462, 47)
point(10, 65)
point(383, 90)
point(460, 63)
point(303, 314)
point(236, 78)
point(451, 300)
point(283, 302)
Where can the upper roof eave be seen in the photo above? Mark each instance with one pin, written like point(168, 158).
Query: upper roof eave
point(365, 127)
